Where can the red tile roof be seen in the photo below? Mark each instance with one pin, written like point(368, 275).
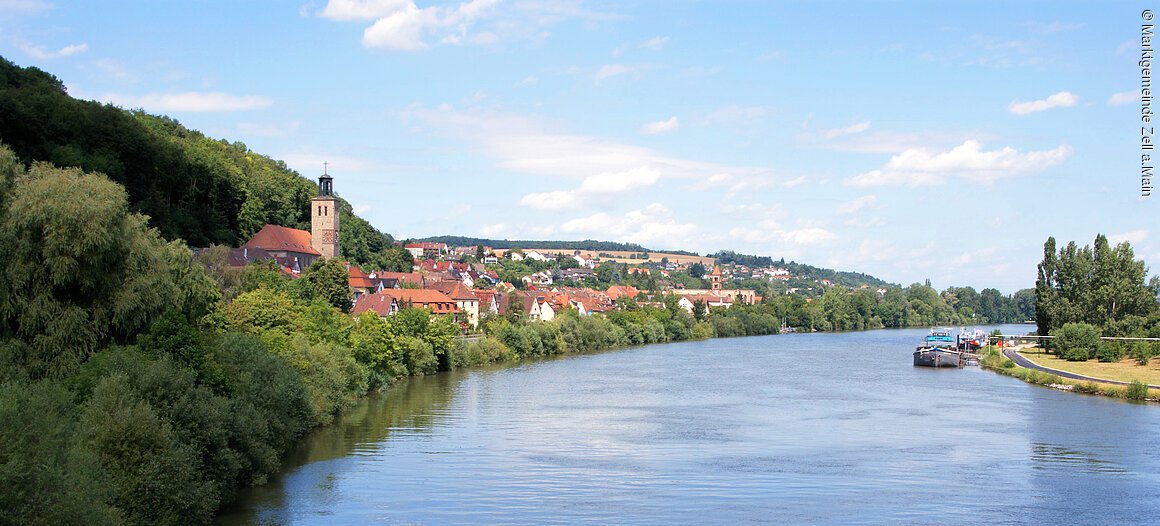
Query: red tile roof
point(358, 279)
point(379, 303)
point(275, 238)
point(456, 290)
point(438, 302)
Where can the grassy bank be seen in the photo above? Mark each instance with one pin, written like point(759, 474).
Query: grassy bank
point(1124, 370)
point(991, 358)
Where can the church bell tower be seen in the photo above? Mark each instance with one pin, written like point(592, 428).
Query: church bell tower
point(324, 218)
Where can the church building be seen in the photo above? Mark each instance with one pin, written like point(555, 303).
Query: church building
point(299, 245)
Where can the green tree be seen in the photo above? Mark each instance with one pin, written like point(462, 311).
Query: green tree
point(697, 270)
point(1076, 341)
point(82, 270)
point(328, 280)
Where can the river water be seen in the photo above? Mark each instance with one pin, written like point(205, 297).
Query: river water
point(798, 428)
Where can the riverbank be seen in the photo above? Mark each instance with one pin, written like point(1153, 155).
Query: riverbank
point(1085, 377)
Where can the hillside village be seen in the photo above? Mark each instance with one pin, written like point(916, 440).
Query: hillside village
point(471, 282)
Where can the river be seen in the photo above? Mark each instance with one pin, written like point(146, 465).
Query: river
point(819, 428)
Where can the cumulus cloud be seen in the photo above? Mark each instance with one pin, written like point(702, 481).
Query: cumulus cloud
point(40, 53)
point(655, 43)
point(595, 185)
point(191, 101)
point(401, 25)
point(801, 236)
point(849, 130)
point(653, 225)
point(653, 128)
point(849, 207)
point(920, 167)
point(1123, 97)
point(1062, 99)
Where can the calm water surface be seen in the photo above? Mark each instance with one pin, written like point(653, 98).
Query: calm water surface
point(819, 428)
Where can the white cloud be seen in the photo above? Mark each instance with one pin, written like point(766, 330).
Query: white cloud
point(801, 236)
point(40, 53)
point(849, 130)
point(607, 183)
point(536, 146)
point(558, 200)
point(653, 128)
point(1123, 97)
point(654, 225)
point(1062, 99)
point(361, 9)
point(400, 25)
point(600, 184)
point(655, 43)
point(919, 167)
point(24, 6)
point(401, 30)
point(733, 183)
point(1134, 237)
point(849, 207)
point(192, 101)
point(796, 181)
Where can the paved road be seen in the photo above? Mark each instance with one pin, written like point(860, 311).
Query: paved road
point(1024, 362)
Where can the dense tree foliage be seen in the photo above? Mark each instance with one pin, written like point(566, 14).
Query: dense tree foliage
point(1102, 286)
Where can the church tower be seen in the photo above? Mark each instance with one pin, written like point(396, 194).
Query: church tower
point(715, 278)
point(324, 218)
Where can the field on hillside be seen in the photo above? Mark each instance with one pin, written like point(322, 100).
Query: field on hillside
point(622, 256)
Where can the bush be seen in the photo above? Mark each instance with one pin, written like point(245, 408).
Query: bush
point(1110, 352)
point(1137, 390)
point(1088, 388)
point(1076, 342)
point(44, 479)
point(481, 352)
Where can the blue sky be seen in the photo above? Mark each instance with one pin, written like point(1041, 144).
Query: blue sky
point(906, 140)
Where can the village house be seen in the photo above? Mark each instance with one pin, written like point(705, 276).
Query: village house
point(388, 301)
point(536, 256)
point(465, 299)
point(578, 274)
point(533, 305)
point(426, 250)
point(542, 278)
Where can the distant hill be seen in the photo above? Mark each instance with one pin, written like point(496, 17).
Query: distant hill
point(587, 244)
point(801, 270)
point(192, 187)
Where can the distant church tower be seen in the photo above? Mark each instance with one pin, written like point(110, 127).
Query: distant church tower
point(324, 218)
point(715, 279)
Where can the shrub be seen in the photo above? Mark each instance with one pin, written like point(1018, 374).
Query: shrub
point(1110, 351)
point(1008, 364)
point(1076, 342)
point(1088, 388)
point(1137, 390)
